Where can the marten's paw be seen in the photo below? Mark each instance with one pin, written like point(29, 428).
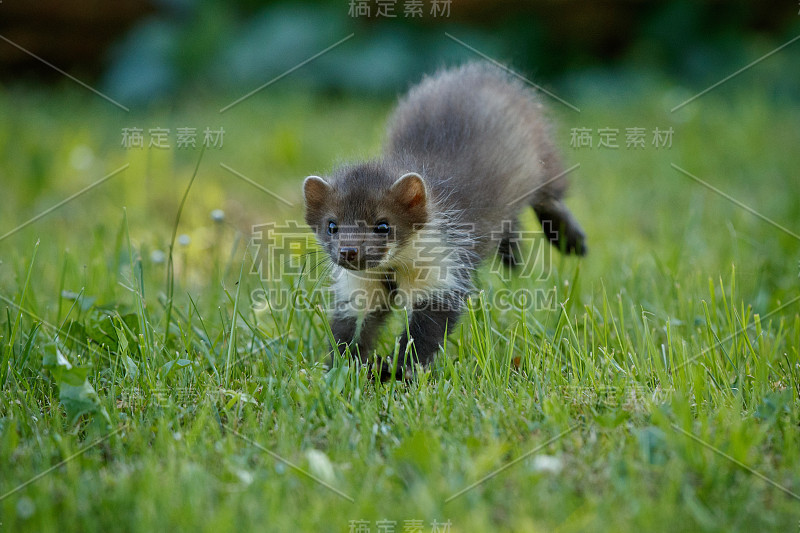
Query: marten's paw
point(383, 371)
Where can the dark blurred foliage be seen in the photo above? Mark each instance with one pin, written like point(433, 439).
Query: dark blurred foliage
point(143, 50)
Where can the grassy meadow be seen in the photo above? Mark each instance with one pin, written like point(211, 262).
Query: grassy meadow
point(654, 388)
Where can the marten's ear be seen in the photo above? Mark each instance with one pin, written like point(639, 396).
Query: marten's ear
point(409, 194)
point(315, 191)
point(409, 191)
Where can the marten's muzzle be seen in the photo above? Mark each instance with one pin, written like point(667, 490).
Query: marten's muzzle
point(359, 250)
point(349, 257)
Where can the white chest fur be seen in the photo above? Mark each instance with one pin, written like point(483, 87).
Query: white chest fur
point(424, 269)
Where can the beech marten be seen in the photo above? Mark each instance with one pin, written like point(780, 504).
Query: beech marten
point(467, 149)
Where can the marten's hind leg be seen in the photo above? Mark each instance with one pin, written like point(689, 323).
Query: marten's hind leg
point(508, 248)
point(560, 226)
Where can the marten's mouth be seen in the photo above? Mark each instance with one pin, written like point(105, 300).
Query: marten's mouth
point(359, 264)
point(349, 266)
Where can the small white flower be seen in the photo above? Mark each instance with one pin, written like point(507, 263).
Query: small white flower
point(244, 476)
point(81, 157)
point(25, 508)
point(158, 257)
point(218, 215)
point(320, 465)
point(547, 463)
point(184, 240)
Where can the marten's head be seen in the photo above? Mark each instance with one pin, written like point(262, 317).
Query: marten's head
point(364, 215)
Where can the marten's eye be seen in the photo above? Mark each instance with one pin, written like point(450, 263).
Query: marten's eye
point(332, 228)
point(382, 227)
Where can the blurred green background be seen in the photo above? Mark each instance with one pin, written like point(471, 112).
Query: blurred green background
point(143, 51)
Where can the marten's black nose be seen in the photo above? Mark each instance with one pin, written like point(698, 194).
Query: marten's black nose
point(348, 254)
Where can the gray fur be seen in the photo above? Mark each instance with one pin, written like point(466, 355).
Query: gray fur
point(482, 142)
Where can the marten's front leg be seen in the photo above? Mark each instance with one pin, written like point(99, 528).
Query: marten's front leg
point(427, 326)
point(345, 332)
point(343, 327)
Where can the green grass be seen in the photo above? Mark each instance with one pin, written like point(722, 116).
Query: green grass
point(673, 342)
